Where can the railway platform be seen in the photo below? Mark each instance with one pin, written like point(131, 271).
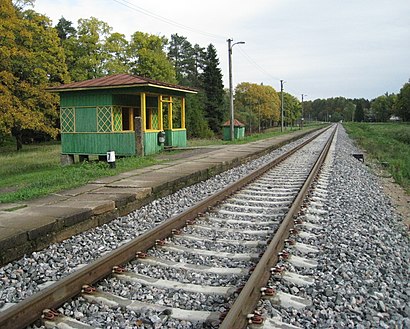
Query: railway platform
point(33, 225)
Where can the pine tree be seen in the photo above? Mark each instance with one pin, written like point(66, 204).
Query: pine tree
point(214, 90)
point(359, 113)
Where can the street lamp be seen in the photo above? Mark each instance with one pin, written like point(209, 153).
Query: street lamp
point(301, 120)
point(281, 112)
point(230, 46)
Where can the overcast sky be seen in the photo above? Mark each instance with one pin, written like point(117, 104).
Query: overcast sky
point(321, 48)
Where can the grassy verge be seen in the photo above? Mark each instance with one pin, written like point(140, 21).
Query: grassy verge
point(388, 143)
point(250, 138)
point(35, 171)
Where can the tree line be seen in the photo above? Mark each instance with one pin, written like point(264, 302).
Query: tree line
point(35, 55)
point(384, 108)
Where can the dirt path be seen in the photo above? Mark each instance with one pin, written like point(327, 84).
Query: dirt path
point(400, 199)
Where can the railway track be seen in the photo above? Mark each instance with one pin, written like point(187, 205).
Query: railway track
point(206, 266)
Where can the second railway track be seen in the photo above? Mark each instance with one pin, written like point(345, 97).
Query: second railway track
point(202, 268)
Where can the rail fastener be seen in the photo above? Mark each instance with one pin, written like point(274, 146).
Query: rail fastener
point(255, 318)
point(141, 255)
point(268, 291)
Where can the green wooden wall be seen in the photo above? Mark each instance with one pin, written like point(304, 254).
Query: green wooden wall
point(151, 143)
point(85, 98)
point(126, 100)
point(175, 138)
point(98, 143)
point(85, 119)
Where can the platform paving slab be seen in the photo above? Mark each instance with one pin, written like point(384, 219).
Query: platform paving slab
point(135, 193)
point(79, 190)
point(97, 207)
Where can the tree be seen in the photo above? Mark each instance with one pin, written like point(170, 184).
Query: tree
point(188, 61)
point(21, 4)
point(348, 111)
point(214, 91)
point(115, 48)
point(196, 124)
point(257, 105)
point(292, 109)
point(65, 29)
point(403, 102)
point(148, 58)
point(382, 107)
point(359, 113)
point(85, 53)
point(30, 60)
point(180, 53)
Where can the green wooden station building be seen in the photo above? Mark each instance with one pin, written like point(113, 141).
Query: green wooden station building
point(127, 114)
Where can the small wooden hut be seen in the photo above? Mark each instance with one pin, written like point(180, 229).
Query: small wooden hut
point(123, 113)
point(238, 132)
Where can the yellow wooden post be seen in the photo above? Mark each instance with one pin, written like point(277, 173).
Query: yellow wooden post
point(170, 113)
point(131, 119)
point(143, 111)
point(183, 112)
point(160, 114)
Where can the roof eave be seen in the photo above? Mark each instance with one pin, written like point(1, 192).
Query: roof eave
point(57, 90)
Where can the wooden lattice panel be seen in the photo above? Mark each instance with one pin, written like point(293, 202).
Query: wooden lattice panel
point(67, 119)
point(117, 115)
point(155, 124)
point(104, 117)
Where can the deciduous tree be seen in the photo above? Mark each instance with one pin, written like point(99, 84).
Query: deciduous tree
point(257, 105)
point(116, 60)
point(30, 60)
point(403, 102)
point(146, 53)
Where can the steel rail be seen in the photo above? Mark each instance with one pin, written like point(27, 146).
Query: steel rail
point(29, 310)
point(249, 296)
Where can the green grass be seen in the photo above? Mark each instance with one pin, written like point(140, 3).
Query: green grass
point(388, 143)
point(249, 138)
point(35, 171)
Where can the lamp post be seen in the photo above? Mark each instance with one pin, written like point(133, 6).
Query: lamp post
point(301, 120)
point(281, 112)
point(230, 46)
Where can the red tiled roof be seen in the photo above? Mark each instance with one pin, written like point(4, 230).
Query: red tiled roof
point(236, 123)
point(119, 80)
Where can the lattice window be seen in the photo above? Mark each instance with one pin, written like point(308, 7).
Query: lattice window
point(155, 124)
point(67, 118)
point(104, 119)
point(117, 116)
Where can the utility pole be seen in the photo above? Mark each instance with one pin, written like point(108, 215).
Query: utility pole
point(281, 95)
point(301, 120)
point(232, 116)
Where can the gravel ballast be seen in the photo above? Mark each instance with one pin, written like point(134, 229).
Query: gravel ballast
point(363, 275)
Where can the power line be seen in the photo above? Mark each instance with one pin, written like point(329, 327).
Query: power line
point(252, 61)
point(166, 20)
